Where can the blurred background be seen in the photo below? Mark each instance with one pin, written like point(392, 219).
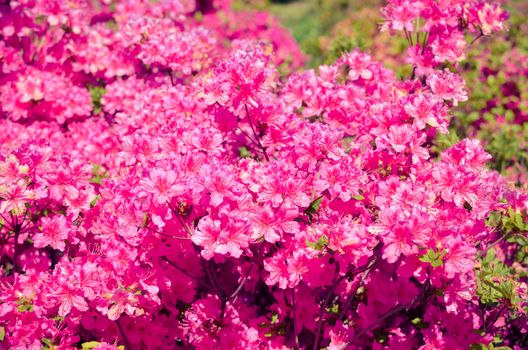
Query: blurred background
point(314, 23)
point(323, 27)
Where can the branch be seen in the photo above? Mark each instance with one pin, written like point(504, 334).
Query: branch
point(369, 268)
point(212, 280)
point(477, 38)
point(409, 37)
point(329, 293)
point(382, 318)
point(502, 238)
point(185, 272)
point(241, 285)
point(494, 319)
point(16, 253)
point(181, 221)
point(125, 339)
point(255, 134)
point(297, 347)
point(426, 39)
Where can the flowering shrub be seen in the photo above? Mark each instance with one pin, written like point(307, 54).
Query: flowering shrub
point(163, 187)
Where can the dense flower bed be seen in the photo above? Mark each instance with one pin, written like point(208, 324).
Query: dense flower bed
point(168, 180)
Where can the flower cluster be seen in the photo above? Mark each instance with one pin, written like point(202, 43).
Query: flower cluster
point(435, 30)
point(162, 186)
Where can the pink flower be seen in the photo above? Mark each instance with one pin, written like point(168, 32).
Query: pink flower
point(491, 18)
point(460, 257)
point(284, 270)
point(121, 301)
point(398, 241)
point(271, 224)
point(163, 185)
point(449, 47)
point(427, 109)
point(448, 86)
point(71, 299)
point(455, 187)
point(225, 239)
point(401, 14)
point(53, 233)
point(342, 180)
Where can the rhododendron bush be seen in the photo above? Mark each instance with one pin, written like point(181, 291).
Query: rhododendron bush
point(170, 178)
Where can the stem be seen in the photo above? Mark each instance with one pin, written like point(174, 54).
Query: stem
point(476, 38)
point(185, 272)
point(426, 39)
point(255, 134)
point(166, 235)
point(16, 227)
point(502, 238)
point(369, 268)
point(213, 279)
point(223, 310)
point(259, 147)
point(16, 253)
point(413, 74)
point(241, 285)
point(125, 339)
point(408, 36)
point(494, 319)
point(249, 137)
point(181, 221)
point(382, 318)
point(212, 271)
point(329, 293)
point(297, 347)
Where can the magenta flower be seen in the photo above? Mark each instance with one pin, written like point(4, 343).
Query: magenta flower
point(54, 231)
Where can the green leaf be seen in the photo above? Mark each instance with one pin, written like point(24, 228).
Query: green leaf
point(244, 152)
point(98, 174)
point(112, 25)
point(95, 200)
point(333, 309)
point(495, 282)
point(2, 333)
point(444, 141)
point(321, 243)
point(433, 257)
point(518, 221)
point(90, 345)
point(198, 16)
point(96, 93)
point(24, 304)
point(40, 19)
point(314, 206)
point(481, 346)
